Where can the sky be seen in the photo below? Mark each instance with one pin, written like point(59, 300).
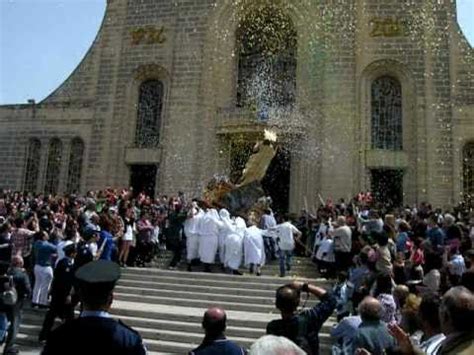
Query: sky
point(42, 42)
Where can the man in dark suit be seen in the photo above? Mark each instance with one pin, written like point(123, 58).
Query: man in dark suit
point(95, 332)
point(61, 292)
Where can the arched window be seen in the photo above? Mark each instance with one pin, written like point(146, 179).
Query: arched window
point(75, 166)
point(33, 159)
point(387, 114)
point(468, 171)
point(266, 45)
point(53, 168)
point(150, 104)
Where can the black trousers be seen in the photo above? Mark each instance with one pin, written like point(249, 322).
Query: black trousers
point(270, 248)
point(177, 250)
point(58, 309)
point(343, 260)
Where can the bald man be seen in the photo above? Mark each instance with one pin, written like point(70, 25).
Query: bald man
point(215, 342)
point(372, 334)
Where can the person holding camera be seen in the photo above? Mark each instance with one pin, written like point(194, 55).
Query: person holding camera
point(301, 327)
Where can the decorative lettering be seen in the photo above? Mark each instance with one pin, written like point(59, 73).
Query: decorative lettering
point(148, 35)
point(387, 27)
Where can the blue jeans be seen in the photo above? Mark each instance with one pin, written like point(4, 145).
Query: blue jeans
point(285, 261)
point(269, 244)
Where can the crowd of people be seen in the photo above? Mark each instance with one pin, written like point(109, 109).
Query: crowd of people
point(403, 278)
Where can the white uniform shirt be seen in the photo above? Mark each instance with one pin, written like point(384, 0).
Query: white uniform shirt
point(60, 249)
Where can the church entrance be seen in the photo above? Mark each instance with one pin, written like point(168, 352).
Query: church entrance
point(387, 186)
point(276, 182)
point(143, 179)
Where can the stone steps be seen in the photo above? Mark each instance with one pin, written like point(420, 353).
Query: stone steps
point(166, 307)
point(300, 266)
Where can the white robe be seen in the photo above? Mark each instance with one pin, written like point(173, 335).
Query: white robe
point(209, 226)
point(191, 230)
point(234, 245)
point(254, 248)
point(226, 229)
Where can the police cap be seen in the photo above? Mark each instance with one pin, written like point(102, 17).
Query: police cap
point(100, 272)
point(69, 247)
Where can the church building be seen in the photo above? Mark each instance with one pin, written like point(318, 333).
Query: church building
point(363, 95)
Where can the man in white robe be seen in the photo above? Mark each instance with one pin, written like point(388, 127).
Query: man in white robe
point(191, 230)
point(234, 247)
point(226, 229)
point(209, 225)
point(254, 248)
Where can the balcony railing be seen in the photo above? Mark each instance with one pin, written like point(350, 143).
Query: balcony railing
point(241, 119)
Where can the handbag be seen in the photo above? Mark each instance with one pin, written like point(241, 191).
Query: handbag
point(9, 296)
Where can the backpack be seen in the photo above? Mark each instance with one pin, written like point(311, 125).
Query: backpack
point(9, 296)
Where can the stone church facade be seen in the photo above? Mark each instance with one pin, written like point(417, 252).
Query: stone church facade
point(363, 94)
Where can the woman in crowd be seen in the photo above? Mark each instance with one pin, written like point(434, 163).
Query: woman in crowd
point(43, 252)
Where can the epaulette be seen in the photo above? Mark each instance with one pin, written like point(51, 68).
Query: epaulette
point(129, 328)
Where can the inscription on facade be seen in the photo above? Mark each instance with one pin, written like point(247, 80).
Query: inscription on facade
point(387, 27)
point(148, 35)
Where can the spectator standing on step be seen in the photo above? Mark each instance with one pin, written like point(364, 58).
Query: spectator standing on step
point(43, 252)
point(342, 244)
point(301, 328)
point(267, 222)
point(95, 332)
point(215, 342)
point(286, 234)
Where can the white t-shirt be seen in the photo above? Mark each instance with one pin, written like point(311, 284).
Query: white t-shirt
point(285, 232)
point(343, 239)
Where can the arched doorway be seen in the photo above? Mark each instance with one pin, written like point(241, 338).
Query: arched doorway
point(276, 183)
point(143, 178)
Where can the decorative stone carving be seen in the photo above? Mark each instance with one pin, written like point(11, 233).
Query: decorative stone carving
point(148, 35)
point(387, 27)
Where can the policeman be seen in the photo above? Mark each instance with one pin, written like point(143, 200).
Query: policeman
point(61, 292)
point(95, 332)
